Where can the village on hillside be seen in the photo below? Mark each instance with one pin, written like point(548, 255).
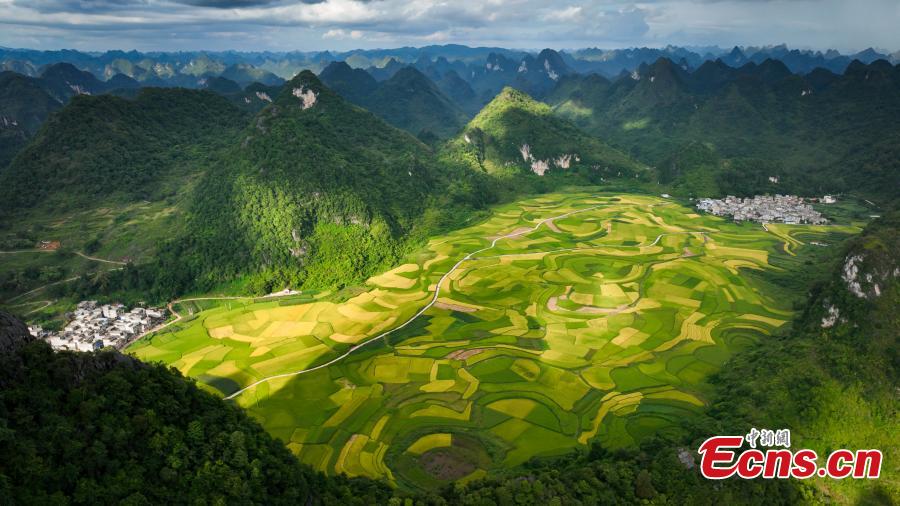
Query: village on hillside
point(789, 209)
point(94, 326)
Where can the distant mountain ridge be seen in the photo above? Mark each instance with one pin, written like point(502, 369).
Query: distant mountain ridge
point(464, 85)
point(408, 99)
point(810, 129)
point(268, 67)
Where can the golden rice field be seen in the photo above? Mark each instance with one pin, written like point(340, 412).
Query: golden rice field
point(576, 318)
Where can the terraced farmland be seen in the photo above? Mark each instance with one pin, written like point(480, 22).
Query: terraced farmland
point(561, 320)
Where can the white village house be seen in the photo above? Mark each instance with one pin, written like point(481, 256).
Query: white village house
point(788, 209)
point(94, 326)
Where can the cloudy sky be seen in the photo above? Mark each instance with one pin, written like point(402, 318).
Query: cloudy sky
point(345, 24)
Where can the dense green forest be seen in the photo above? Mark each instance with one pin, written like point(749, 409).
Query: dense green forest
point(829, 133)
point(107, 148)
point(408, 100)
point(102, 428)
point(24, 105)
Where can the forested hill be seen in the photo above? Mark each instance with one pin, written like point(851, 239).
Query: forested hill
point(820, 132)
point(102, 428)
point(105, 147)
point(355, 85)
point(408, 100)
point(24, 105)
point(516, 135)
point(315, 191)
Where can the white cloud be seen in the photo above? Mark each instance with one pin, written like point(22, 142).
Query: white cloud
point(569, 14)
point(313, 24)
point(339, 34)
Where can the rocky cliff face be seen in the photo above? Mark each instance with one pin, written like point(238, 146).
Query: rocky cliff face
point(868, 277)
point(13, 333)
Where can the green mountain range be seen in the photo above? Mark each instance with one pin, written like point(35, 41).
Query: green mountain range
point(246, 74)
point(407, 100)
point(355, 85)
point(410, 101)
point(820, 128)
point(25, 105)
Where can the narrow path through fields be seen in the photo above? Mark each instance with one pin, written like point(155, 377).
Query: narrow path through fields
point(17, 297)
point(16, 251)
point(82, 255)
point(42, 287)
point(88, 257)
point(44, 303)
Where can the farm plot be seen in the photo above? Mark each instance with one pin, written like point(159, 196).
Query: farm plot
point(573, 318)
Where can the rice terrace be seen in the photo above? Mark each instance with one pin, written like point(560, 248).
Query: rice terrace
point(559, 321)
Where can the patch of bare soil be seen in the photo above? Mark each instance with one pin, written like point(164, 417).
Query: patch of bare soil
point(553, 304)
point(444, 465)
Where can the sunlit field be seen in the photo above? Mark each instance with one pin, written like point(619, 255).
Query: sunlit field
point(560, 321)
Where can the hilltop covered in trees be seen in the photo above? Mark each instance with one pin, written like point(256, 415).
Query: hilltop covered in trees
point(102, 428)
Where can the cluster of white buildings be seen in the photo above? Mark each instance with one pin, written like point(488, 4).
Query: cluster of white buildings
point(788, 209)
point(94, 326)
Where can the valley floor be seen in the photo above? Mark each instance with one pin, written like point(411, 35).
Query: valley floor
point(561, 320)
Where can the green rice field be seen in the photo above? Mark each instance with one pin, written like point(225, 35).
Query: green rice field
point(561, 320)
